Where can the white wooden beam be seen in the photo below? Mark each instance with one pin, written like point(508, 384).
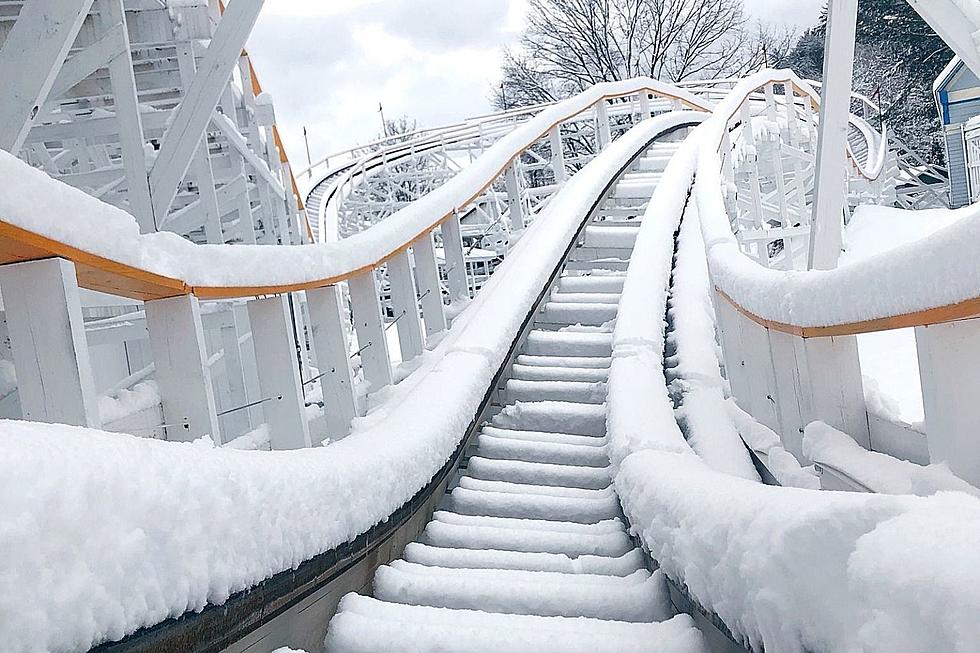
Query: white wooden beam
point(30, 60)
point(405, 306)
point(328, 324)
point(427, 277)
point(514, 203)
point(233, 384)
point(203, 173)
point(129, 120)
point(455, 260)
point(366, 311)
point(82, 64)
point(557, 154)
point(182, 372)
point(826, 237)
point(47, 335)
point(602, 134)
point(199, 102)
point(275, 358)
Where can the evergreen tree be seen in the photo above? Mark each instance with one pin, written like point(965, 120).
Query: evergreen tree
point(897, 58)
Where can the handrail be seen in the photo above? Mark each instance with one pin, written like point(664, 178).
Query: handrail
point(160, 266)
point(785, 301)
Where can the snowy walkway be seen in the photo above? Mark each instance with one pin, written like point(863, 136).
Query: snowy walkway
point(531, 552)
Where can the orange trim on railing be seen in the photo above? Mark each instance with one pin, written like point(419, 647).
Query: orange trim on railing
point(966, 310)
point(93, 271)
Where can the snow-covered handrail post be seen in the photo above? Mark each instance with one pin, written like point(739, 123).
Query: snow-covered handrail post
point(783, 380)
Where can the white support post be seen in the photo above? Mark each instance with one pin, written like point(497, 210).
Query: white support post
point(203, 173)
point(826, 235)
point(949, 370)
point(44, 319)
point(249, 369)
point(199, 101)
point(777, 164)
point(644, 105)
point(236, 422)
point(557, 155)
point(126, 102)
point(452, 244)
point(514, 203)
point(796, 140)
point(752, 167)
point(405, 306)
point(181, 360)
point(727, 318)
point(833, 389)
point(427, 277)
point(275, 358)
point(602, 133)
point(366, 310)
point(327, 323)
point(760, 371)
point(31, 57)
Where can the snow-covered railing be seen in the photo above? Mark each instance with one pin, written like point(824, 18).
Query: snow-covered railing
point(101, 249)
point(789, 339)
point(206, 523)
point(354, 197)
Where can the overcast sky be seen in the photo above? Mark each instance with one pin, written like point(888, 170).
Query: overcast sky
point(328, 63)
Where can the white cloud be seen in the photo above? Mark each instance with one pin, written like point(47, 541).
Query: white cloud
point(329, 64)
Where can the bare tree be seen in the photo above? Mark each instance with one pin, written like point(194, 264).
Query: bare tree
point(569, 45)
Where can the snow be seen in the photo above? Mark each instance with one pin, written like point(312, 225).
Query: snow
point(104, 230)
point(709, 427)
point(879, 472)
point(793, 569)
point(127, 402)
point(935, 271)
point(520, 537)
point(889, 359)
point(641, 596)
point(783, 465)
point(366, 625)
point(118, 532)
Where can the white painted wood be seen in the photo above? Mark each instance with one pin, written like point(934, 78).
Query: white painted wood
point(130, 121)
point(760, 371)
point(789, 391)
point(602, 134)
point(726, 318)
point(366, 312)
point(514, 203)
point(249, 369)
point(327, 324)
point(405, 306)
point(644, 105)
point(31, 57)
point(279, 382)
point(452, 244)
point(949, 370)
point(833, 391)
point(557, 154)
point(85, 62)
point(182, 372)
point(51, 356)
point(777, 159)
point(201, 163)
point(427, 278)
point(826, 235)
point(199, 102)
point(237, 422)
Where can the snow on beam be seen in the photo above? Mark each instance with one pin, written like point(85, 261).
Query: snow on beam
point(32, 55)
point(47, 335)
point(452, 242)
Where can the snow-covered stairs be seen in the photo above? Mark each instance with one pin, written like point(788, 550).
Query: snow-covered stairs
point(530, 551)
